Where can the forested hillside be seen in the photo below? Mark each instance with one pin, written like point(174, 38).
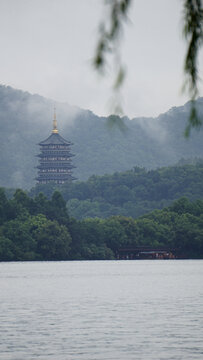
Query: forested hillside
point(40, 229)
point(131, 193)
point(148, 142)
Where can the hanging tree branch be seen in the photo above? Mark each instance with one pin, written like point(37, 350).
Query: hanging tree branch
point(108, 45)
point(193, 33)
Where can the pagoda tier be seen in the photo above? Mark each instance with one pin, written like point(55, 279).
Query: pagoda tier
point(54, 177)
point(55, 159)
point(50, 154)
point(56, 166)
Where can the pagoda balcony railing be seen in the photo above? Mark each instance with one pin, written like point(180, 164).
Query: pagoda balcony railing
point(55, 154)
point(55, 171)
point(53, 176)
point(54, 181)
point(54, 165)
point(61, 159)
point(58, 153)
point(56, 147)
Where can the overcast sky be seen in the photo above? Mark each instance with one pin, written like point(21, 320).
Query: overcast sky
point(47, 47)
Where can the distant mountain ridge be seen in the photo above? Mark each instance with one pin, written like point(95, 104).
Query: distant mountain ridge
point(149, 142)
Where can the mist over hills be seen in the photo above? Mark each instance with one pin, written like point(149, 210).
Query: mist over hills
point(149, 142)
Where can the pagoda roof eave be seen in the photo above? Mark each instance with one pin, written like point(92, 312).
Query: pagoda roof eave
point(55, 139)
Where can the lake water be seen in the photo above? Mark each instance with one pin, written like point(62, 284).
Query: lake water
point(122, 310)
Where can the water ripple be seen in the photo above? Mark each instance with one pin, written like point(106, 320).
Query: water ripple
point(101, 310)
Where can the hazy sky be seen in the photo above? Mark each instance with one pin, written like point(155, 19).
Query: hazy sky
point(47, 47)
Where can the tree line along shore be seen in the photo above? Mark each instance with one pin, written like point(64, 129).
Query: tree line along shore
point(38, 228)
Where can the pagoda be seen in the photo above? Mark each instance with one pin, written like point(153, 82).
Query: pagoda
point(55, 159)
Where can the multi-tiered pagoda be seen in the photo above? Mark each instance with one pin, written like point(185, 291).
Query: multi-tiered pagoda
point(55, 159)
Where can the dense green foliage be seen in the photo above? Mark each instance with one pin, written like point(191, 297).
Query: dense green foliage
point(40, 229)
point(131, 193)
point(148, 142)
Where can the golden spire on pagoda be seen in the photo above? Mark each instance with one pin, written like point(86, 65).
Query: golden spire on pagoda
point(55, 130)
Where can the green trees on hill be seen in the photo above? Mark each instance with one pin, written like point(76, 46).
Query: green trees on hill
point(33, 229)
point(131, 193)
point(39, 228)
